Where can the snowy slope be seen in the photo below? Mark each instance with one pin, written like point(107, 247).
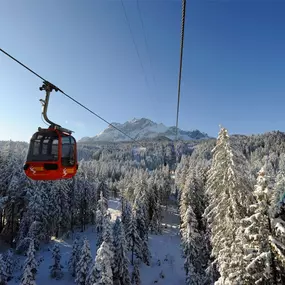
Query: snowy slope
point(165, 251)
point(143, 129)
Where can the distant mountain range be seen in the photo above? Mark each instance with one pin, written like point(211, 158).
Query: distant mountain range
point(143, 129)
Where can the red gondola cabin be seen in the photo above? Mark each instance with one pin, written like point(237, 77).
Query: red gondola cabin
point(52, 155)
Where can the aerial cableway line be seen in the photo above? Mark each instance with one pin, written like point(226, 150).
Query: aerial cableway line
point(181, 63)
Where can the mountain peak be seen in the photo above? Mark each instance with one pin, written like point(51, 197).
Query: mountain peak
point(140, 120)
point(143, 128)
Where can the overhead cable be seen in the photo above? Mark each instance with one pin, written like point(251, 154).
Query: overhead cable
point(134, 42)
point(181, 63)
point(145, 40)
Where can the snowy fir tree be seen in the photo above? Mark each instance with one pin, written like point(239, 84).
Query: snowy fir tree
point(183, 205)
point(101, 218)
point(277, 242)
point(56, 267)
point(181, 174)
point(139, 212)
point(136, 278)
point(141, 197)
point(104, 189)
point(75, 255)
point(99, 227)
point(59, 204)
point(134, 241)
point(166, 185)
point(83, 266)
point(154, 207)
point(277, 213)
point(194, 239)
point(9, 264)
point(93, 275)
point(103, 269)
point(192, 248)
point(260, 266)
point(196, 195)
point(36, 221)
point(28, 277)
point(102, 204)
point(107, 231)
point(22, 242)
point(121, 262)
point(3, 272)
point(229, 190)
point(30, 266)
point(39, 215)
point(126, 213)
point(278, 195)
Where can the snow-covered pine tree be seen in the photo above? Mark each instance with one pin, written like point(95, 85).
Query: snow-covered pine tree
point(14, 200)
point(100, 218)
point(99, 227)
point(196, 196)
point(28, 277)
point(128, 190)
point(126, 213)
point(22, 243)
point(142, 228)
point(277, 213)
point(107, 231)
point(75, 255)
point(78, 198)
point(183, 206)
point(193, 228)
point(92, 201)
point(10, 264)
point(104, 189)
point(83, 266)
point(166, 185)
point(93, 275)
point(59, 211)
point(193, 249)
point(39, 229)
point(134, 241)
point(30, 266)
point(121, 261)
point(229, 189)
point(154, 206)
point(102, 204)
point(211, 272)
point(107, 234)
point(170, 156)
point(181, 174)
point(141, 196)
point(34, 223)
point(3, 272)
point(260, 263)
point(136, 278)
point(279, 191)
point(103, 267)
point(277, 242)
point(55, 268)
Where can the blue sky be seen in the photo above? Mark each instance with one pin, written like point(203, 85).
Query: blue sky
point(233, 72)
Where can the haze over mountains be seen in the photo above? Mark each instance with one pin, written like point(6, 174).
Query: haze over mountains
point(143, 129)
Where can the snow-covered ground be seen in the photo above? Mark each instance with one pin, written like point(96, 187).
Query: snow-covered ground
point(166, 260)
point(166, 264)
